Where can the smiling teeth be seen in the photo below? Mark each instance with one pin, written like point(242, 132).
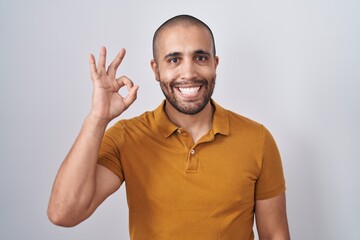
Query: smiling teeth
point(189, 91)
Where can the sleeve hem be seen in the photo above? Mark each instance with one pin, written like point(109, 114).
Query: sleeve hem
point(111, 168)
point(275, 192)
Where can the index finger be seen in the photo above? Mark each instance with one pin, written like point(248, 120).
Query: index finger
point(116, 62)
point(92, 63)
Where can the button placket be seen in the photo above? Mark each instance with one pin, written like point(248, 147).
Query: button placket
point(192, 161)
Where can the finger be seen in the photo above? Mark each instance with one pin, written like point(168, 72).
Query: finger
point(92, 64)
point(126, 81)
point(122, 81)
point(116, 62)
point(119, 83)
point(132, 95)
point(102, 59)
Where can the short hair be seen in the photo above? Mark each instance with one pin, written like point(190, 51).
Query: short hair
point(181, 20)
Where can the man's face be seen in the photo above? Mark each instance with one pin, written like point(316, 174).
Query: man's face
point(185, 66)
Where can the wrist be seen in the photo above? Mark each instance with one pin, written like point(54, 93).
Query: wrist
point(94, 122)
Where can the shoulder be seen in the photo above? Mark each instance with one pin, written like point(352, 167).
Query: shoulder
point(240, 126)
point(237, 121)
point(242, 120)
point(253, 131)
point(141, 123)
point(244, 126)
point(232, 117)
point(142, 120)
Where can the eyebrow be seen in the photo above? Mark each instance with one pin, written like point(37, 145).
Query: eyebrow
point(203, 52)
point(172, 54)
point(176, 54)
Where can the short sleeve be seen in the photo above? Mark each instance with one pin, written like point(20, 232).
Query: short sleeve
point(271, 181)
point(109, 154)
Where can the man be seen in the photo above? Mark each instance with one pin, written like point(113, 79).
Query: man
point(193, 170)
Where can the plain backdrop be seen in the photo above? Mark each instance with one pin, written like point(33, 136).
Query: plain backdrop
point(292, 65)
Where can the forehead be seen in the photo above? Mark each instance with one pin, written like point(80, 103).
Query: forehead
point(183, 38)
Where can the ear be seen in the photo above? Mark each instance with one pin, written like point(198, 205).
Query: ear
point(155, 69)
point(216, 61)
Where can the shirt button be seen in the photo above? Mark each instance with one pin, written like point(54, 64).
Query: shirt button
point(192, 151)
point(179, 131)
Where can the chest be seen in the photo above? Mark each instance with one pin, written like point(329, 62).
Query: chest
point(186, 174)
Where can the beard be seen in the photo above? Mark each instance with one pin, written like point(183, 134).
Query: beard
point(189, 107)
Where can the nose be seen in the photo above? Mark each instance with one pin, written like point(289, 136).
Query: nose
point(188, 70)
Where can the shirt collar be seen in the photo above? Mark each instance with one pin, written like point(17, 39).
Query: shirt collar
point(221, 120)
point(167, 128)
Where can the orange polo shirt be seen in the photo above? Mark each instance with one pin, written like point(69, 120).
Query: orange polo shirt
point(178, 189)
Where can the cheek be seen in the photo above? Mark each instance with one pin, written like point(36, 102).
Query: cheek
point(207, 73)
point(166, 87)
point(166, 79)
point(212, 72)
point(167, 75)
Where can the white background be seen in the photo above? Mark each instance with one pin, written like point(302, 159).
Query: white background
point(292, 65)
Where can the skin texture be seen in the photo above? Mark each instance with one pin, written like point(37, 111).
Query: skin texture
point(184, 59)
point(81, 185)
point(192, 67)
point(271, 219)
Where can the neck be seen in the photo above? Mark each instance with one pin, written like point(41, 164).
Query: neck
point(196, 125)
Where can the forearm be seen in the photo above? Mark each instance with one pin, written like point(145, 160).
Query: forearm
point(75, 184)
point(75, 194)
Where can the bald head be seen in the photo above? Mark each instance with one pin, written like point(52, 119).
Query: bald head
point(180, 20)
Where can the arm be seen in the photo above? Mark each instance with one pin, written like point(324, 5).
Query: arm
point(81, 185)
point(271, 219)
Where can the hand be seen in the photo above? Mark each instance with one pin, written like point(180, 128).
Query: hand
point(107, 102)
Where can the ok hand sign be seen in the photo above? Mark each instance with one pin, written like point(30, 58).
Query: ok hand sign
point(107, 102)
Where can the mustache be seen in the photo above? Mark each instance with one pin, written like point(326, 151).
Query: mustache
point(188, 82)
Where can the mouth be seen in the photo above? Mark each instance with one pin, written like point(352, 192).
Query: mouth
point(189, 91)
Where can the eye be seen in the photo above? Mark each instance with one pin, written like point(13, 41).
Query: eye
point(173, 60)
point(201, 58)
